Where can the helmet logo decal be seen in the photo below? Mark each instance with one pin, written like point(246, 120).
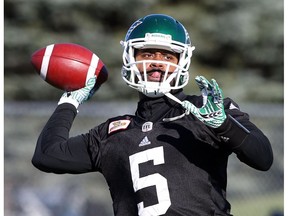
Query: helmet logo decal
point(135, 24)
point(188, 41)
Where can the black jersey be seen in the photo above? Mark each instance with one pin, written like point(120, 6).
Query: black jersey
point(160, 161)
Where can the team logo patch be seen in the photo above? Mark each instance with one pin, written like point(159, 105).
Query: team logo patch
point(118, 125)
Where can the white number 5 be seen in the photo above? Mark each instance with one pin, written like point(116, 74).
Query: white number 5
point(157, 156)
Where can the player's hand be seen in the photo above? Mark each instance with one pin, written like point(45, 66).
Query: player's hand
point(212, 111)
point(79, 96)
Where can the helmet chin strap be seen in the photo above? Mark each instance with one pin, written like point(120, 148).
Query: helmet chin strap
point(172, 97)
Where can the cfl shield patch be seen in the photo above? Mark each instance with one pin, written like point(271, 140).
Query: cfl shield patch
point(118, 125)
point(147, 126)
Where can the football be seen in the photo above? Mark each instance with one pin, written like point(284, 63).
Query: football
point(68, 66)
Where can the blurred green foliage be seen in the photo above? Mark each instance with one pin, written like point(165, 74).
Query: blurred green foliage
point(234, 40)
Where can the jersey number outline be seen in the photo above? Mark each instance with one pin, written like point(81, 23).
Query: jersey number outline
point(157, 156)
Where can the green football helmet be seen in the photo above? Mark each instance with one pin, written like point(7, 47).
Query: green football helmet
point(156, 31)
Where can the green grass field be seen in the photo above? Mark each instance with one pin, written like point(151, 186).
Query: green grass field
point(263, 205)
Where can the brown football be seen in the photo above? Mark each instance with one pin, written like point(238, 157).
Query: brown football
point(68, 66)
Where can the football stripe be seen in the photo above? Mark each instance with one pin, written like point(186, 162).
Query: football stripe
point(92, 67)
point(45, 61)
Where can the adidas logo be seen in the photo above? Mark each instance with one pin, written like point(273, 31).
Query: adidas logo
point(144, 141)
point(225, 139)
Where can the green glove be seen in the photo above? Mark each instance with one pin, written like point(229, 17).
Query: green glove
point(212, 111)
point(79, 96)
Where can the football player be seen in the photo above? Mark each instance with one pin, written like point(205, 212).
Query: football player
point(170, 158)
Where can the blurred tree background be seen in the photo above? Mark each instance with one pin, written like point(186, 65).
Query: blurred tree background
point(239, 43)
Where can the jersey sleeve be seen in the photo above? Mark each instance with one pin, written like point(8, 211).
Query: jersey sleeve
point(244, 138)
point(56, 152)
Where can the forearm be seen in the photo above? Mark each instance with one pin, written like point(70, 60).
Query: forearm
point(248, 142)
